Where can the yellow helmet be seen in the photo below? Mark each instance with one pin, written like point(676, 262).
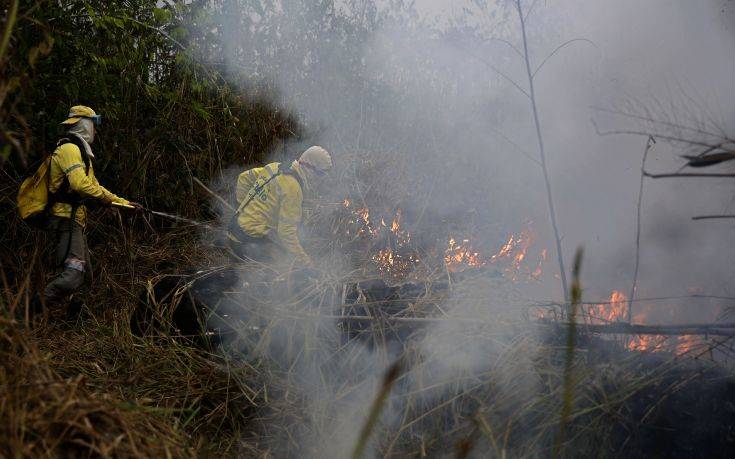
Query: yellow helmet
point(78, 112)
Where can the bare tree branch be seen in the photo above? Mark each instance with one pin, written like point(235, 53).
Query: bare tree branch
point(631, 297)
point(670, 138)
point(650, 119)
point(542, 154)
point(517, 147)
point(640, 300)
point(621, 328)
point(685, 174)
point(559, 48)
point(704, 160)
point(496, 70)
point(511, 45)
point(712, 217)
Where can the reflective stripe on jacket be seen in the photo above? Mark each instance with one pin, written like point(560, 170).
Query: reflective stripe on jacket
point(66, 161)
point(275, 210)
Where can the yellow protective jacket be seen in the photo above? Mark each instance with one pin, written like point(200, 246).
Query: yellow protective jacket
point(275, 210)
point(66, 162)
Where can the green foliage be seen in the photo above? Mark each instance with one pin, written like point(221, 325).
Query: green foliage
point(132, 62)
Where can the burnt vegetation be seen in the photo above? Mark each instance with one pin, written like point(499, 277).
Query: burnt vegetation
point(413, 337)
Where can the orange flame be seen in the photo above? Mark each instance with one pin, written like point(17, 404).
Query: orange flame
point(679, 345)
point(660, 343)
point(390, 261)
point(459, 257)
point(647, 343)
point(615, 310)
point(459, 254)
point(536, 274)
point(514, 254)
point(686, 344)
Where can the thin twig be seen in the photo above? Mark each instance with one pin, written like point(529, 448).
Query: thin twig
point(559, 48)
point(669, 138)
point(498, 71)
point(550, 199)
point(649, 143)
point(711, 217)
point(622, 328)
point(638, 300)
point(654, 121)
point(510, 45)
point(685, 174)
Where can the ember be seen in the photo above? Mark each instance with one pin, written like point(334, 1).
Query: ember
point(393, 265)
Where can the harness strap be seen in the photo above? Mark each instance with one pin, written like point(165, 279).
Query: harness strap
point(289, 171)
point(256, 189)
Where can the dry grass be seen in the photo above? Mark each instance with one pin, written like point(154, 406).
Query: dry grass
point(298, 375)
point(92, 389)
point(47, 413)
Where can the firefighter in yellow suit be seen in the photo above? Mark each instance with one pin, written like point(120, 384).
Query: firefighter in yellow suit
point(270, 202)
point(71, 182)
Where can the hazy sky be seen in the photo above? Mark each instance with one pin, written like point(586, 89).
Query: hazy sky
point(673, 57)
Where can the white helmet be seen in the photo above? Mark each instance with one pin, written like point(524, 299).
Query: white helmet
point(317, 158)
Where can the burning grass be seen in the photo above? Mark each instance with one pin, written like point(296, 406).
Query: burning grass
point(301, 358)
point(397, 259)
point(472, 373)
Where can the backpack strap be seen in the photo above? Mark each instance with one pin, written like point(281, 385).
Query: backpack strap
point(64, 193)
point(282, 170)
point(79, 143)
point(254, 191)
point(250, 196)
point(288, 170)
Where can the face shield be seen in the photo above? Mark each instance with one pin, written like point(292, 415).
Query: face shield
point(84, 128)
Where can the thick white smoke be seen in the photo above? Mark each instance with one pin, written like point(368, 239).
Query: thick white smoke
point(436, 85)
